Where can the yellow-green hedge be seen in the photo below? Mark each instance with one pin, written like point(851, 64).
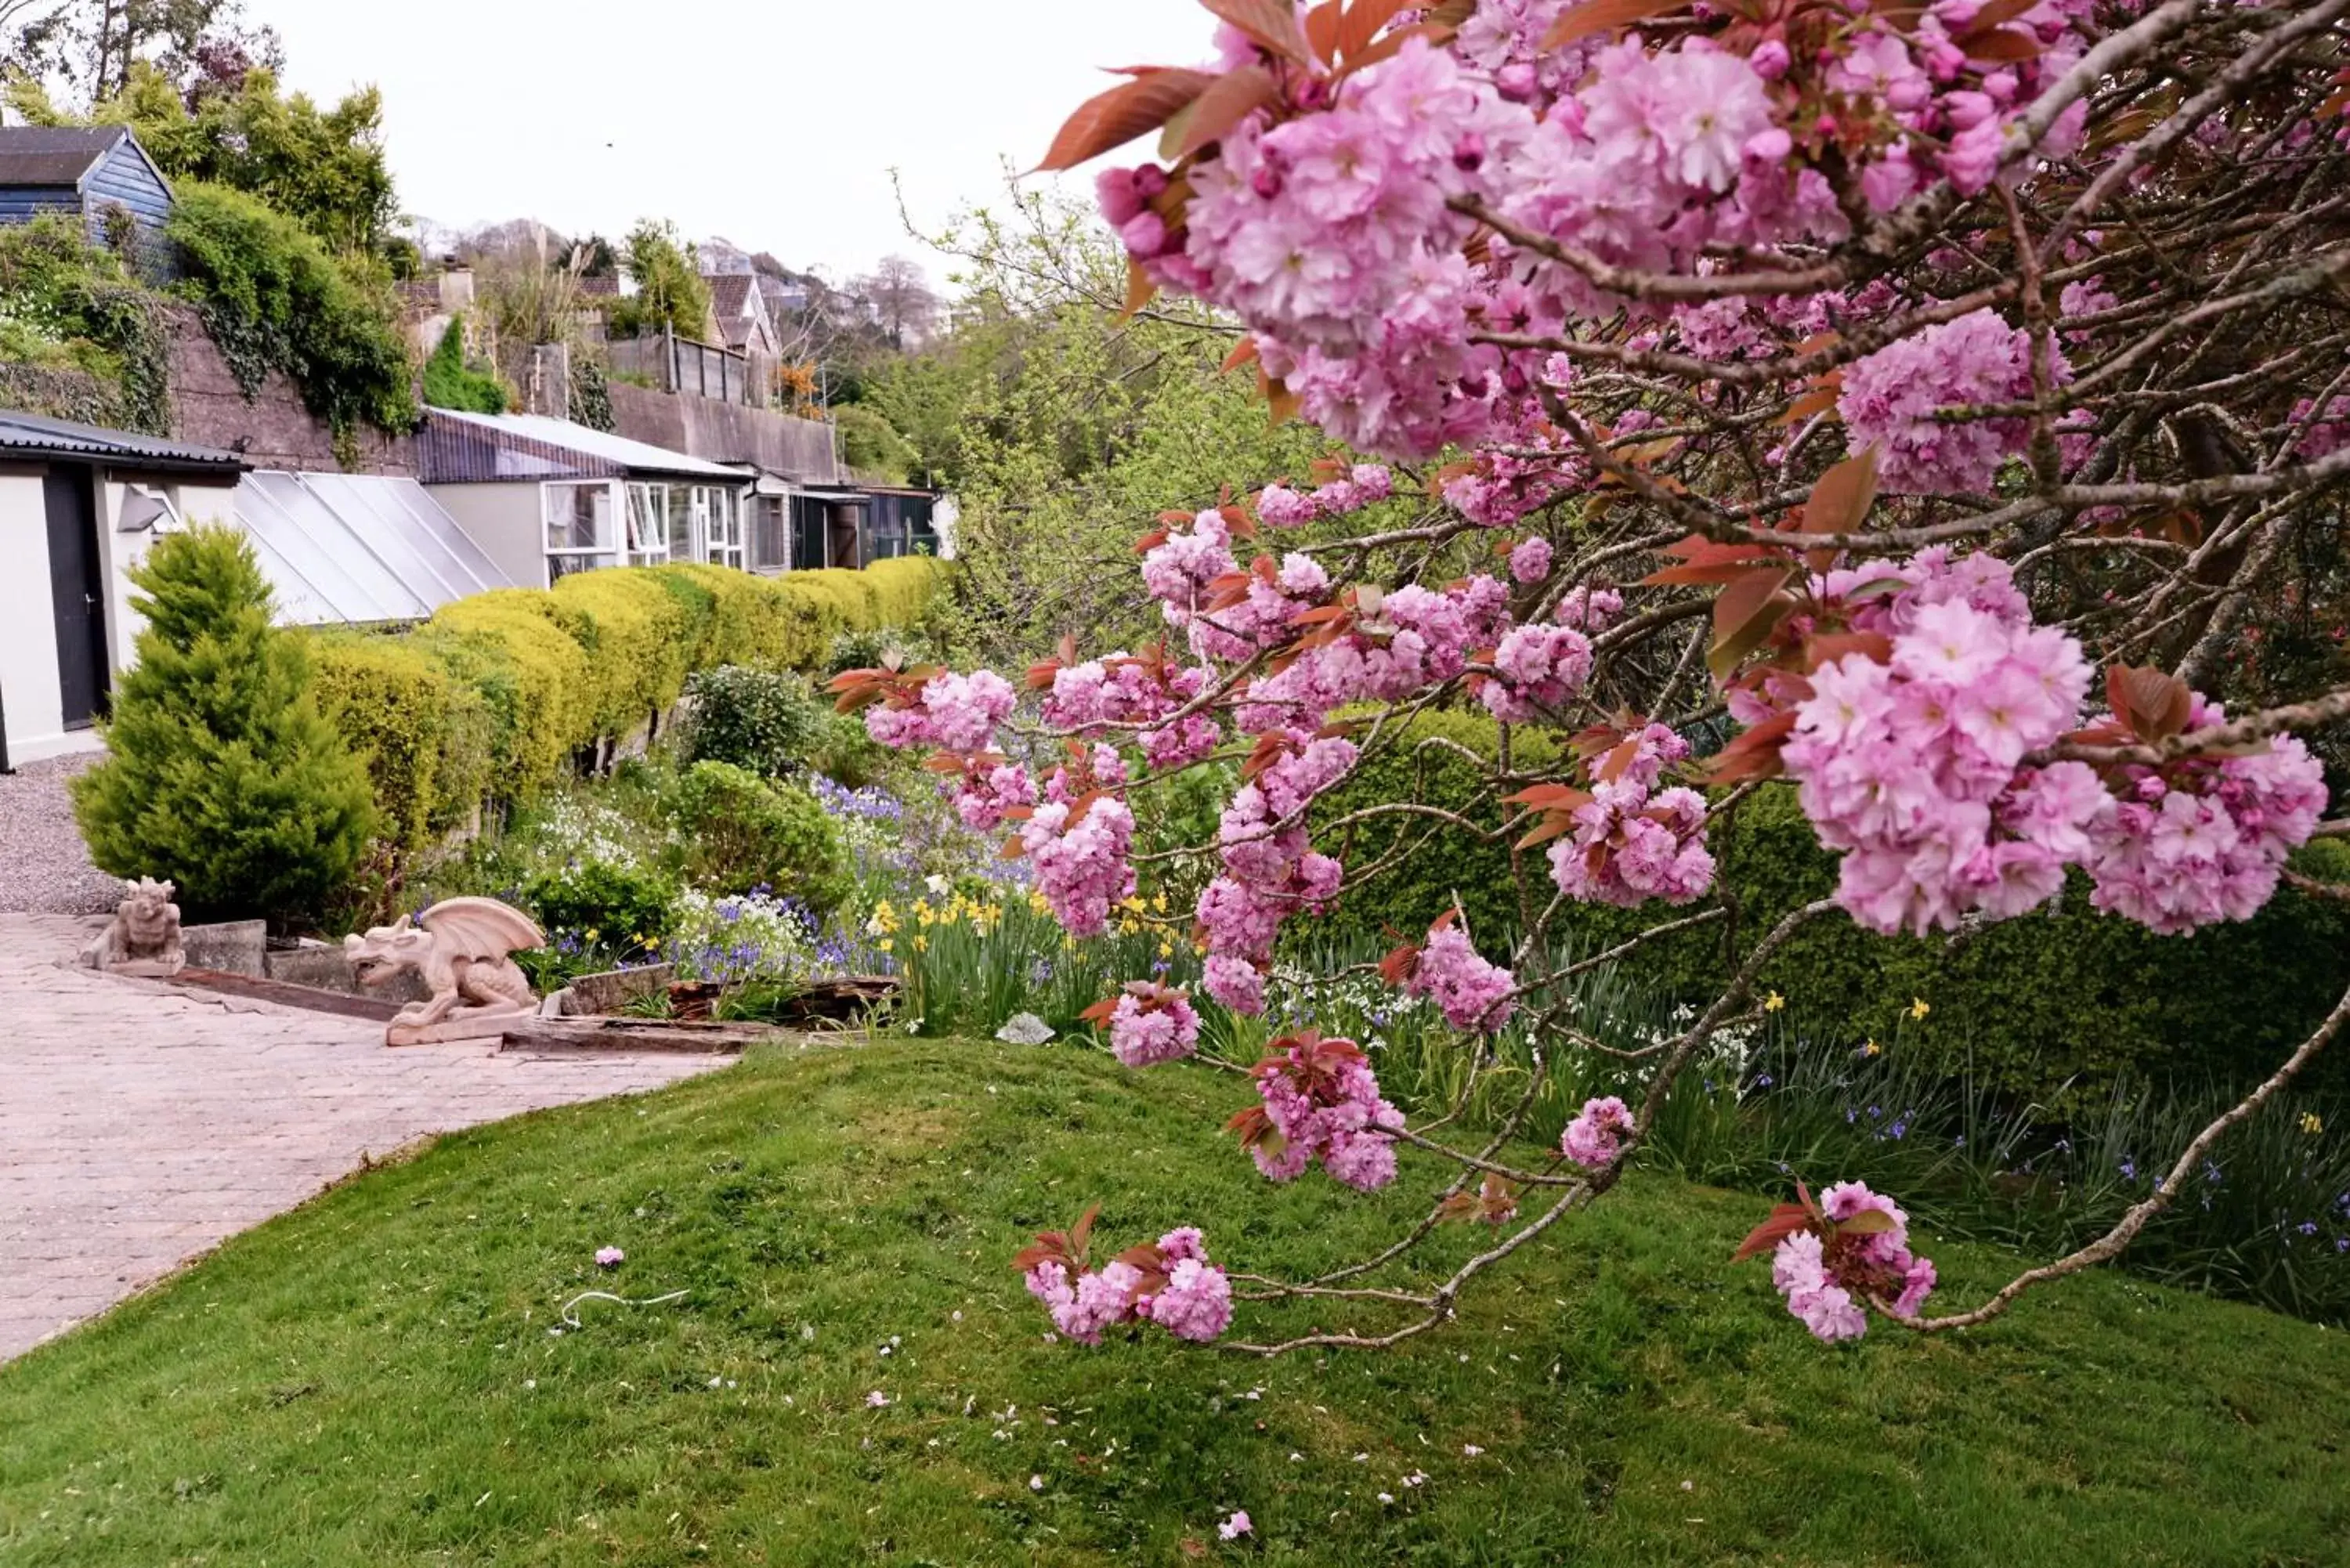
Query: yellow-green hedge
point(496, 695)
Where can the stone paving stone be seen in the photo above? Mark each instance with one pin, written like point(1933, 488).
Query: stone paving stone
point(141, 1127)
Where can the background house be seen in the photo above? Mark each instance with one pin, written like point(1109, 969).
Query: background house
point(91, 171)
point(544, 497)
point(78, 507)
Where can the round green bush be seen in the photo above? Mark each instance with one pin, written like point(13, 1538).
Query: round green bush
point(765, 721)
point(739, 833)
point(607, 906)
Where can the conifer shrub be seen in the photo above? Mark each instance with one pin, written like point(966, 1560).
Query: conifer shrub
point(222, 774)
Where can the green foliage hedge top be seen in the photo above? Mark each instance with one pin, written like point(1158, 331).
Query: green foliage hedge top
point(221, 775)
point(2056, 1006)
point(491, 698)
point(450, 383)
point(274, 298)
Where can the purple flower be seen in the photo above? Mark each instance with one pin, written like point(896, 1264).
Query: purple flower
point(609, 1257)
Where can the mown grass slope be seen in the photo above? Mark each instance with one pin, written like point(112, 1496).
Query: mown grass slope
point(373, 1380)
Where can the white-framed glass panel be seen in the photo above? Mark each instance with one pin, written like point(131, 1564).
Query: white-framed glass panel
point(718, 517)
point(582, 534)
point(648, 524)
point(768, 529)
point(681, 522)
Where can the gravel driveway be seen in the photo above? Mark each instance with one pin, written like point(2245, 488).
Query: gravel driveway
point(43, 870)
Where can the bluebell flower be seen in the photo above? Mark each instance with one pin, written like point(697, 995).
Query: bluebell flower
point(2130, 1170)
point(2307, 1227)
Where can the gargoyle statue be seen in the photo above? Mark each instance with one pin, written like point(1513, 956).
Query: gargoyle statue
point(143, 937)
point(463, 949)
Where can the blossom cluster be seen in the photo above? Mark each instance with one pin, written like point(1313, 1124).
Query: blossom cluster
point(1365, 483)
point(1536, 669)
point(1331, 225)
point(2205, 840)
point(1270, 870)
point(1595, 1138)
point(1137, 690)
point(1473, 994)
point(1826, 1282)
point(1890, 398)
point(1322, 1103)
point(1152, 1024)
point(1631, 841)
point(1081, 856)
point(1174, 1286)
point(953, 713)
point(1914, 765)
point(991, 791)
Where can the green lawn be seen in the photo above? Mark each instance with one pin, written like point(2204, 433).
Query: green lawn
point(372, 1380)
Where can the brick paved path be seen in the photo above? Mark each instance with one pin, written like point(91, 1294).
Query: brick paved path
point(140, 1126)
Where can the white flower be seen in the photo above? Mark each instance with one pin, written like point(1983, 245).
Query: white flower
point(1035, 1483)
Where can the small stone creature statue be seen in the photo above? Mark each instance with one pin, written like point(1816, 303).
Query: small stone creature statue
point(143, 937)
point(464, 947)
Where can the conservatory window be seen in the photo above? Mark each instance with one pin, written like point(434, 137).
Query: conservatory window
point(648, 524)
point(582, 535)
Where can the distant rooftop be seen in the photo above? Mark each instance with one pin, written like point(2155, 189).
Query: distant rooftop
point(459, 448)
point(46, 155)
point(33, 435)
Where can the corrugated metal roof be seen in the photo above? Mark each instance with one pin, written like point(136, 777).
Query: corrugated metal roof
point(356, 548)
point(34, 435)
point(45, 155)
point(469, 449)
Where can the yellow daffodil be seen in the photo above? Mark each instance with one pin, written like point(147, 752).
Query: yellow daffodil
point(1775, 1002)
point(590, 933)
point(2311, 1123)
point(1166, 950)
point(1871, 1049)
point(1159, 903)
point(1135, 906)
point(1918, 1008)
point(885, 945)
point(1128, 927)
point(921, 944)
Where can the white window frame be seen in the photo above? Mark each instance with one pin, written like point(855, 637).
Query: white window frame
point(718, 524)
point(648, 546)
point(608, 549)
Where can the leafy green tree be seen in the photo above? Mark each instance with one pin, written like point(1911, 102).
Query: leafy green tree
point(220, 774)
point(93, 48)
point(274, 298)
point(671, 293)
point(872, 446)
point(324, 168)
point(1066, 427)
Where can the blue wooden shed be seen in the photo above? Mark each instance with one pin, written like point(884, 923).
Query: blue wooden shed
point(92, 171)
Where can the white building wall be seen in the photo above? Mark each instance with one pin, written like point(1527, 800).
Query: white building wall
point(28, 627)
point(29, 687)
point(507, 521)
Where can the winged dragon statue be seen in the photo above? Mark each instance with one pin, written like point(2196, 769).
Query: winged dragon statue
point(464, 947)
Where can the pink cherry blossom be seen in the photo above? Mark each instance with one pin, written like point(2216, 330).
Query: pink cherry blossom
point(1594, 1139)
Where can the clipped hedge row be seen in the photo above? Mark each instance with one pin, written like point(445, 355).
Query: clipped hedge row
point(491, 699)
point(2056, 1006)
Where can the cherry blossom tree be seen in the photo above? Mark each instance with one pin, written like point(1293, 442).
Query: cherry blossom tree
point(1927, 404)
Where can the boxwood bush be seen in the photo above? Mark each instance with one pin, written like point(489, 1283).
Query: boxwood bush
point(739, 833)
point(490, 701)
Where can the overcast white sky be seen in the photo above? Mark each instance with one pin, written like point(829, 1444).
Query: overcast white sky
point(774, 123)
